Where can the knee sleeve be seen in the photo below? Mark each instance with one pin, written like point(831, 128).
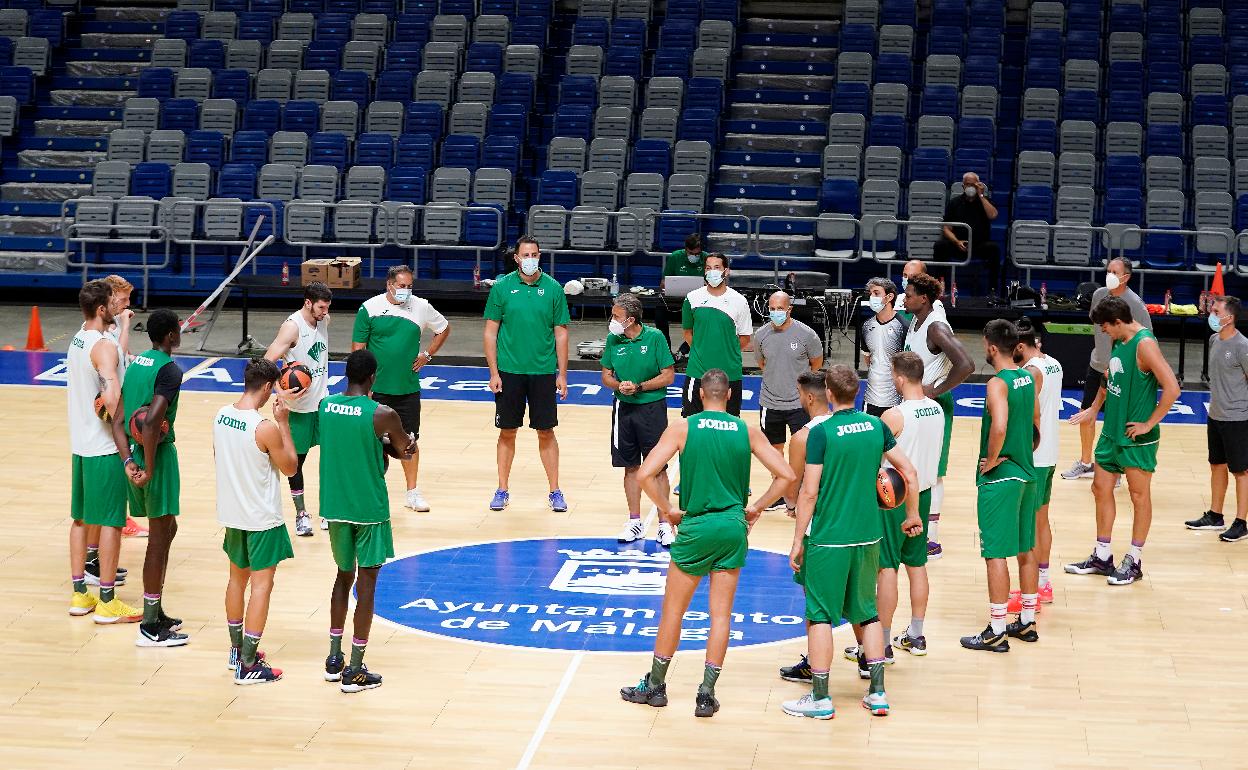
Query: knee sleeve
point(296, 481)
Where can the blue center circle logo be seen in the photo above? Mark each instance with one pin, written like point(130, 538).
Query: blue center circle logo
point(579, 594)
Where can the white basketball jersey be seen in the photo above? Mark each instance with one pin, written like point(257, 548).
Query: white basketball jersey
point(922, 437)
point(311, 349)
point(936, 366)
point(1050, 398)
point(249, 488)
point(89, 436)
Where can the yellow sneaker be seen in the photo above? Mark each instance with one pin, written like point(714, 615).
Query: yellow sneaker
point(82, 604)
point(117, 611)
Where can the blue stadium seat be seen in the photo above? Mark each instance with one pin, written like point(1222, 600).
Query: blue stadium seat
point(515, 88)
point(1124, 172)
point(250, 148)
point(255, 26)
point(154, 82)
point(1164, 48)
point(1166, 77)
point(461, 151)
point(852, 98)
point(974, 159)
point(977, 133)
point(395, 86)
point(891, 12)
point(181, 114)
point(557, 188)
point(232, 84)
point(894, 68)
point(1164, 139)
point(1043, 72)
point(352, 86)
point(1209, 110)
point(699, 124)
point(425, 118)
point(407, 184)
point(1126, 76)
point(374, 149)
point(272, 224)
point(1126, 17)
point(930, 164)
point(528, 30)
point(574, 120)
point(329, 148)
point(888, 131)
point(1045, 43)
point(671, 231)
point(623, 60)
point(151, 179)
point(951, 12)
point(982, 41)
point(323, 55)
point(652, 156)
point(982, 70)
point(946, 40)
point(1125, 105)
point(498, 8)
point(1033, 202)
point(1083, 44)
point(415, 150)
point(388, 8)
point(1038, 135)
point(237, 180)
point(333, 26)
point(502, 151)
point(19, 82)
point(404, 55)
point(988, 14)
point(509, 120)
point(209, 54)
point(581, 90)
point(484, 57)
point(858, 37)
point(705, 92)
point(940, 100)
point(1081, 104)
point(206, 147)
point(481, 228)
point(593, 30)
point(1205, 49)
point(306, 6)
point(629, 32)
point(466, 8)
point(182, 25)
point(262, 115)
point(672, 63)
point(839, 196)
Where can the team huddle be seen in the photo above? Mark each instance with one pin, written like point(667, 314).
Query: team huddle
point(847, 550)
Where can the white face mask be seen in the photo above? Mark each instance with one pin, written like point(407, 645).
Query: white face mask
point(693, 258)
point(714, 277)
point(970, 191)
point(616, 327)
point(528, 265)
point(876, 303)
point(402, 295)
point(1112, 281)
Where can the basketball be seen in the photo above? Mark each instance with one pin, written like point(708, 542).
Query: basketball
point(295, 378)
point(101, 410)
point(138, 421)
point(890, 488)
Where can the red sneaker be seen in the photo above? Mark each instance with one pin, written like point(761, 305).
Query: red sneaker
point(1046, 593)
point(132, 529)
point(1016, 602)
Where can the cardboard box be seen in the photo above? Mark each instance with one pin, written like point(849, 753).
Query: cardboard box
point(338, 273)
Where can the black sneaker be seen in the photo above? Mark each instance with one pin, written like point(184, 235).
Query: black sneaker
point(334, 665)
point(706, 705)
point(259, 672)
point(864, 671)
point(888, 655)
point(1127, 573)
point(1207, 520)
point(359, 679)
point(92, 574)
point(987, 640)
point(915, 645)
point(1237, 531)
point(798, 672)
point(174, 624)
point(159, 635)
point(1024, 632)
point(1092, 566)
point(644, 692)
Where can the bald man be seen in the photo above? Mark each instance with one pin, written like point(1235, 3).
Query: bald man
point(908, 271)
point(973, 209)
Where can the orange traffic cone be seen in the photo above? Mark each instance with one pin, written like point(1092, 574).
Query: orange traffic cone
point(1217, 289)
point(34, 333)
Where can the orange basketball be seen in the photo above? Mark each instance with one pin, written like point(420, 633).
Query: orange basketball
point(139, 419)
point(295, 377)
point(101, 409)
point(890, 488)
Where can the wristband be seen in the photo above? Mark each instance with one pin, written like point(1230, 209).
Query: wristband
point(126, 462)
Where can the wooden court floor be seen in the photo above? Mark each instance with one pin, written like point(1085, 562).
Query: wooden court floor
point(1145, 676)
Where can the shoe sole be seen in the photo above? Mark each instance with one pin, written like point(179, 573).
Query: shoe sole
point(1028, 639)
point(915, 651)
point(1006, 648)
point(504, 507)
point(78, 612)
point(797, 679)
point(105, 620)
point(1211, 527)
point(1113, 582)
point(245, 682)
point(653, 704)
point(935, 556)
point(631, 539)
point(145, 642)
point(702, 714)
point(142, 533)
point(333, 677)
point(824, 717)
point(417, 508)
point(1069, 570)
point(1233, 539)
point(876, 711)
point(303, 533)
point(353, 688)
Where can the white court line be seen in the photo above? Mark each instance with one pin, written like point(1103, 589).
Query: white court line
point(551, 708)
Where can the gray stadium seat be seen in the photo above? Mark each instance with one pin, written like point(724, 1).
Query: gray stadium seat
point(362, 55)
point(111, 179)
point(1215, 212)
point(1036, 168)
point(600, 189)
point(477, 87)
point(244, 55)
point(716, 33)
point(606, 154)
point(193, 83)
point(1163, 172)
point(890, 99)
point(1076, 169)
point(636, 232)
point(371, 28)
point(305, 221)
point(926, 203)
point(842, 161)
point(443, 57)
point(451, 185)
point(290, 147)
point(318, 183)
point(286, 55)
point(384, 118)
point(341, 117)
point(136, 211)
point(13, 22)
point(142, 113)
point(1165, 108)
point(585, 60)
point(980, 102)
point(169, 53)
point(192, 180)
point(1211, 175)
point(1207, 79)
point(1082, 74)
point(566, 154)
point(1210, 142)
point(1126, 46)
point(32, 52)
point(311, 85)
point(442, 223)
point(847, 128)
point(1124, 137)
point(1048, 15)
point(523, 58)
point(549, 225)
point(692, 157)
point(8, 115)
point(277, 181)
point(492, 186)
point(274, 84)
point(1041, 104)
point(710, 63)
point(943, 70)
point(881, 199)
point(223, 221)
point(166, 146)
point(469, 118)
point(1078, 136)
point(896, 38)
point(665, 92)
point(448, 28)
point(658, 123)
point(613, 123)
point(354, 221)
point(618, 91)
point(588, 228)
point(854, 67)
point(644, 189)
point(365, 183)
point(219, 25)
point(491, 29)
point(296, 26)
point(686, 192)
point(434, 86)
point(935, 131)
point(882, 163)
point(128, 144)
point(94, 216)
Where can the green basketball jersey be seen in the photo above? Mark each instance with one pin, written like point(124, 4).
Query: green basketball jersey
point(353, 484)
point(1019, 425)
point(140, 385)
point(850, 445)
point(715, 464)
point(1130, 394)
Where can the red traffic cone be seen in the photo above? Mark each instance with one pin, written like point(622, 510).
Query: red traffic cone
point(34, 333)
point(1217, 289)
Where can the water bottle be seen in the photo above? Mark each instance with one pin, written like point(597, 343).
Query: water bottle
point(615, 285)
point(1167, 305)
point(953, 296)
point(1044, 295)
point(476, 276)
point(285, 274)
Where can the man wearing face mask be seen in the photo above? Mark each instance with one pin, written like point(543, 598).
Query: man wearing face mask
point(883, 336)
point(638, 366)
point(526, 347)
point(390, 325)
point(717, 325)
point(686, 261)
point(973, 209)
point(785, 347)
point(1117, 275)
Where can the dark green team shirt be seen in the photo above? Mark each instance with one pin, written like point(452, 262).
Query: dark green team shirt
point(353, 482)
point(140, 385)
point(1019, 427)
point(1130, 394)
point(850, 445)
point(715, 465)
point(678, 264)
point(638, 360)
point(527, 317)
point(717, 322)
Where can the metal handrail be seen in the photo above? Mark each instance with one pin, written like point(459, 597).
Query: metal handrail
point(392, 220)
point(638, 221)
point(270, 212)
point(1146, 271)
point(903, 223)
point(372, 246)
point(145, 235)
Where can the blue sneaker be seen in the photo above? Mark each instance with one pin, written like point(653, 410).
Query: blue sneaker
point(501, 498)
point(557, 503)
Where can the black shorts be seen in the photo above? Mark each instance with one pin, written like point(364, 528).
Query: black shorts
point(1091, 384)
point(875, 410)
point(537, 391)
point(1228, 444)
point(635, 429)
point(408, 407)
point(691, 399)
point(774, 421)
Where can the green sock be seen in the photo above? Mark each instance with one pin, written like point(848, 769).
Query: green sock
point(877, 677)
point(236, 632)
point(710, 673)
point(251, 642)
point(151, 608)
point(80, 584)
point(335, 641)
point(298, 498)
point(93, 553)
point(357, 652)
point(658, 670)
point(107, 592)
point(820, 681)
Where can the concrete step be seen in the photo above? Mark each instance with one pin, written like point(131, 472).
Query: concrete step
point(58, 159)
point(758, 208)
point(32, 262)
point(794, 26)
point(750, 111)
point(42, 191)
point(784, 245)
point(51, 127)
point(95, 69)
point(775, 142)
point(812, 83)
point(119, 39)
point(131, 14)
point(803, 177)
point(735, 244)
point(787, 53)
point(79, 98)
point(10, 225)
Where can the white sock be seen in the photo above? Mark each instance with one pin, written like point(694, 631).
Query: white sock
point(933, 529)
point(1028, 615)
point(1044, 576)
point(996, 617)
point(1134, 551)
point(916, 628)
point(938, 498)
point(1102, 550)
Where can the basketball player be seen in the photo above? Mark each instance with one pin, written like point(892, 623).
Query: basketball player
point(1007, 439)
point(98, 492)
point(354, 428)
point(391, 325)
point(946, 365)
point(836, 541)
point(154, 380)
point(303, 338)
point(250, 453)
point(637, 365)
point(526, 347)
point(717, 324)
point(1047, 373)
point(712, 524)
point(883, 335)
point(120, 331)
point(1129, 436)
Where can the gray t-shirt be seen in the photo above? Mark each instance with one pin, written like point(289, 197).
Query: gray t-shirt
point(786, 354)
point(1228, 378)
point(882, 340)
point(1139, 314)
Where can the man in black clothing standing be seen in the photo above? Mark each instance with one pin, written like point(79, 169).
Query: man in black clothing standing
point(973, 209)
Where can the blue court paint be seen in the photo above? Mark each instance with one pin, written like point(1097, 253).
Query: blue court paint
point(582, 594)
point(471, 383)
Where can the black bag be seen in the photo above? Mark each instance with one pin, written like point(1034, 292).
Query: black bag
point(1083, 295)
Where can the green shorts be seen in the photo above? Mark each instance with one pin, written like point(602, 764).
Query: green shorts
point(710, 542)
point(999, 505)
point(160, 496)
point(1027, 519)
point(305, 430)
point(840, 582)
point(897, 547)
point(1042, 486)
point(257, 550)
point(946, 403)
point(101, 481)
point(1116, 458)
point(365, 545)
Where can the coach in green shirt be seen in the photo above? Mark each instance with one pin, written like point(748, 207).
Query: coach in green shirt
point(526, 347)
point(687, 261)
point(638, 366)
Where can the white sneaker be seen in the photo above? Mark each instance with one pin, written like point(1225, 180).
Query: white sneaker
point(324, 524)
point(808, 706)
point(667, 534)
point(416, 501)
point(634, 530)
point(303, 524)
point(1079, 470)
